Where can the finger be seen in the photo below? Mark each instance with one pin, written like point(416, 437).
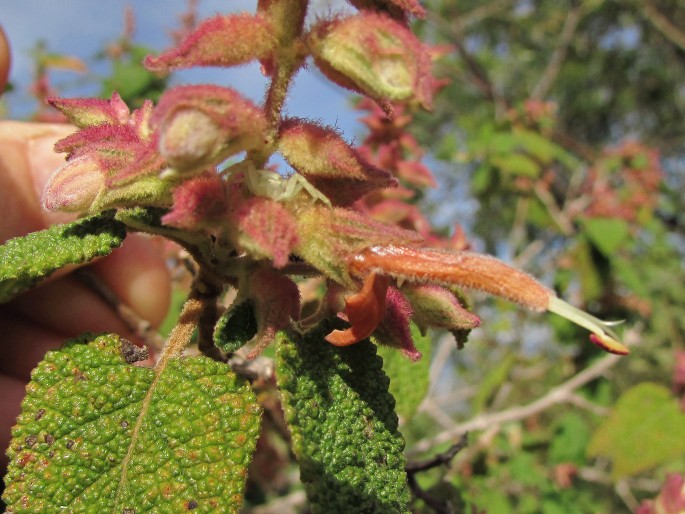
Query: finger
point(68, 307)
point(13, 391)
point(5, 60)
point(27, 160)
point(24, 344)
point(137, 273)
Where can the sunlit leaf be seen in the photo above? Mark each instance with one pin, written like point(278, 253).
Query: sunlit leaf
point(24, 261)
point(97, 434)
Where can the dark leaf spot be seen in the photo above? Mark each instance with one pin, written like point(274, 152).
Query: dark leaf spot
point(132, 353)
point(39, 414)
point(31, 440)
point(192, 504)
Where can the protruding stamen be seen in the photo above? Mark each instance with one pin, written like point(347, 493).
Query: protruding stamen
point(602, 335)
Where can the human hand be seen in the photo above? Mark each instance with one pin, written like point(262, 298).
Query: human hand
point(63, 307)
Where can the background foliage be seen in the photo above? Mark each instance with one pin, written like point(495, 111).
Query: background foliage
point(558, 143)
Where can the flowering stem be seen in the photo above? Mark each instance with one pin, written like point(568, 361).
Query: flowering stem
point(182, 332)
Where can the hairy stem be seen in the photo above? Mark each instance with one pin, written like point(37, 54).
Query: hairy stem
point(183, 331)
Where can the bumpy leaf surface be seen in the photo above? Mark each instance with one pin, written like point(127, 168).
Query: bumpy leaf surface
point(97, 434)
point(343, 425)
point(25, 260)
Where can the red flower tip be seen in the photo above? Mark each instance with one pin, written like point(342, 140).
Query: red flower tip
point(609, 344)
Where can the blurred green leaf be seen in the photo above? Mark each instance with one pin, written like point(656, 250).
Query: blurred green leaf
point(607, 234)
point(516, 164)
point(645, 428)
point(97, 434)
point(409, 381)
point(491, 382)
point(570, 440)
point(591, 280)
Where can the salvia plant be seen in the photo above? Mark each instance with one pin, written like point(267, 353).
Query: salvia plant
point(98, 433)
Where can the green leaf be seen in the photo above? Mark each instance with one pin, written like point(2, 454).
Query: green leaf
point(645, 428)
point(409, 381)
point(537, 145)
point(607, 234)
point(235, 327)
point(591, 280)
point(97, 434)
point(492, 382)
point(343, 426)
point(25, 260)
point(516, 164)
point(570, 440)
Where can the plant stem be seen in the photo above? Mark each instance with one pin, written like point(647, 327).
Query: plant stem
point(182, 332)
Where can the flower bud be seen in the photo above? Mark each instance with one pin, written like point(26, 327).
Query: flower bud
point(435, 306)
point(202, 125)
point(398, 9)
point(374, 55)
point(91, 112)
point(189, 139)
point(220, 41)
point(75, 186)
point(329, 163)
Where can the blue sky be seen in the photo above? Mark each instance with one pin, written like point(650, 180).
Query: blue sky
point(82, 28)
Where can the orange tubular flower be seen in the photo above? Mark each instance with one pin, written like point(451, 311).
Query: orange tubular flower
point(480, 272)
point(364, 310)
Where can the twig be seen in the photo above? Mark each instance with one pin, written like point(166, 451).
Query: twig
point(583, 403)
point(441, 459)
point(478, 74)
point(663, 25)
point(445, 348)
point(285, 505)
point(260, 368)
point(434, 411)
point(482, 12)
point(560, 394)
point(551, 71)
point(556, 214)
point(624, 492)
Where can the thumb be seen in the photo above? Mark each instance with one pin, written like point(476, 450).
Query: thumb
point(4, 60)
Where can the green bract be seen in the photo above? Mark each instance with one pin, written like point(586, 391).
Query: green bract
point(343, 425)
point(97, 434)
point(24, 261)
